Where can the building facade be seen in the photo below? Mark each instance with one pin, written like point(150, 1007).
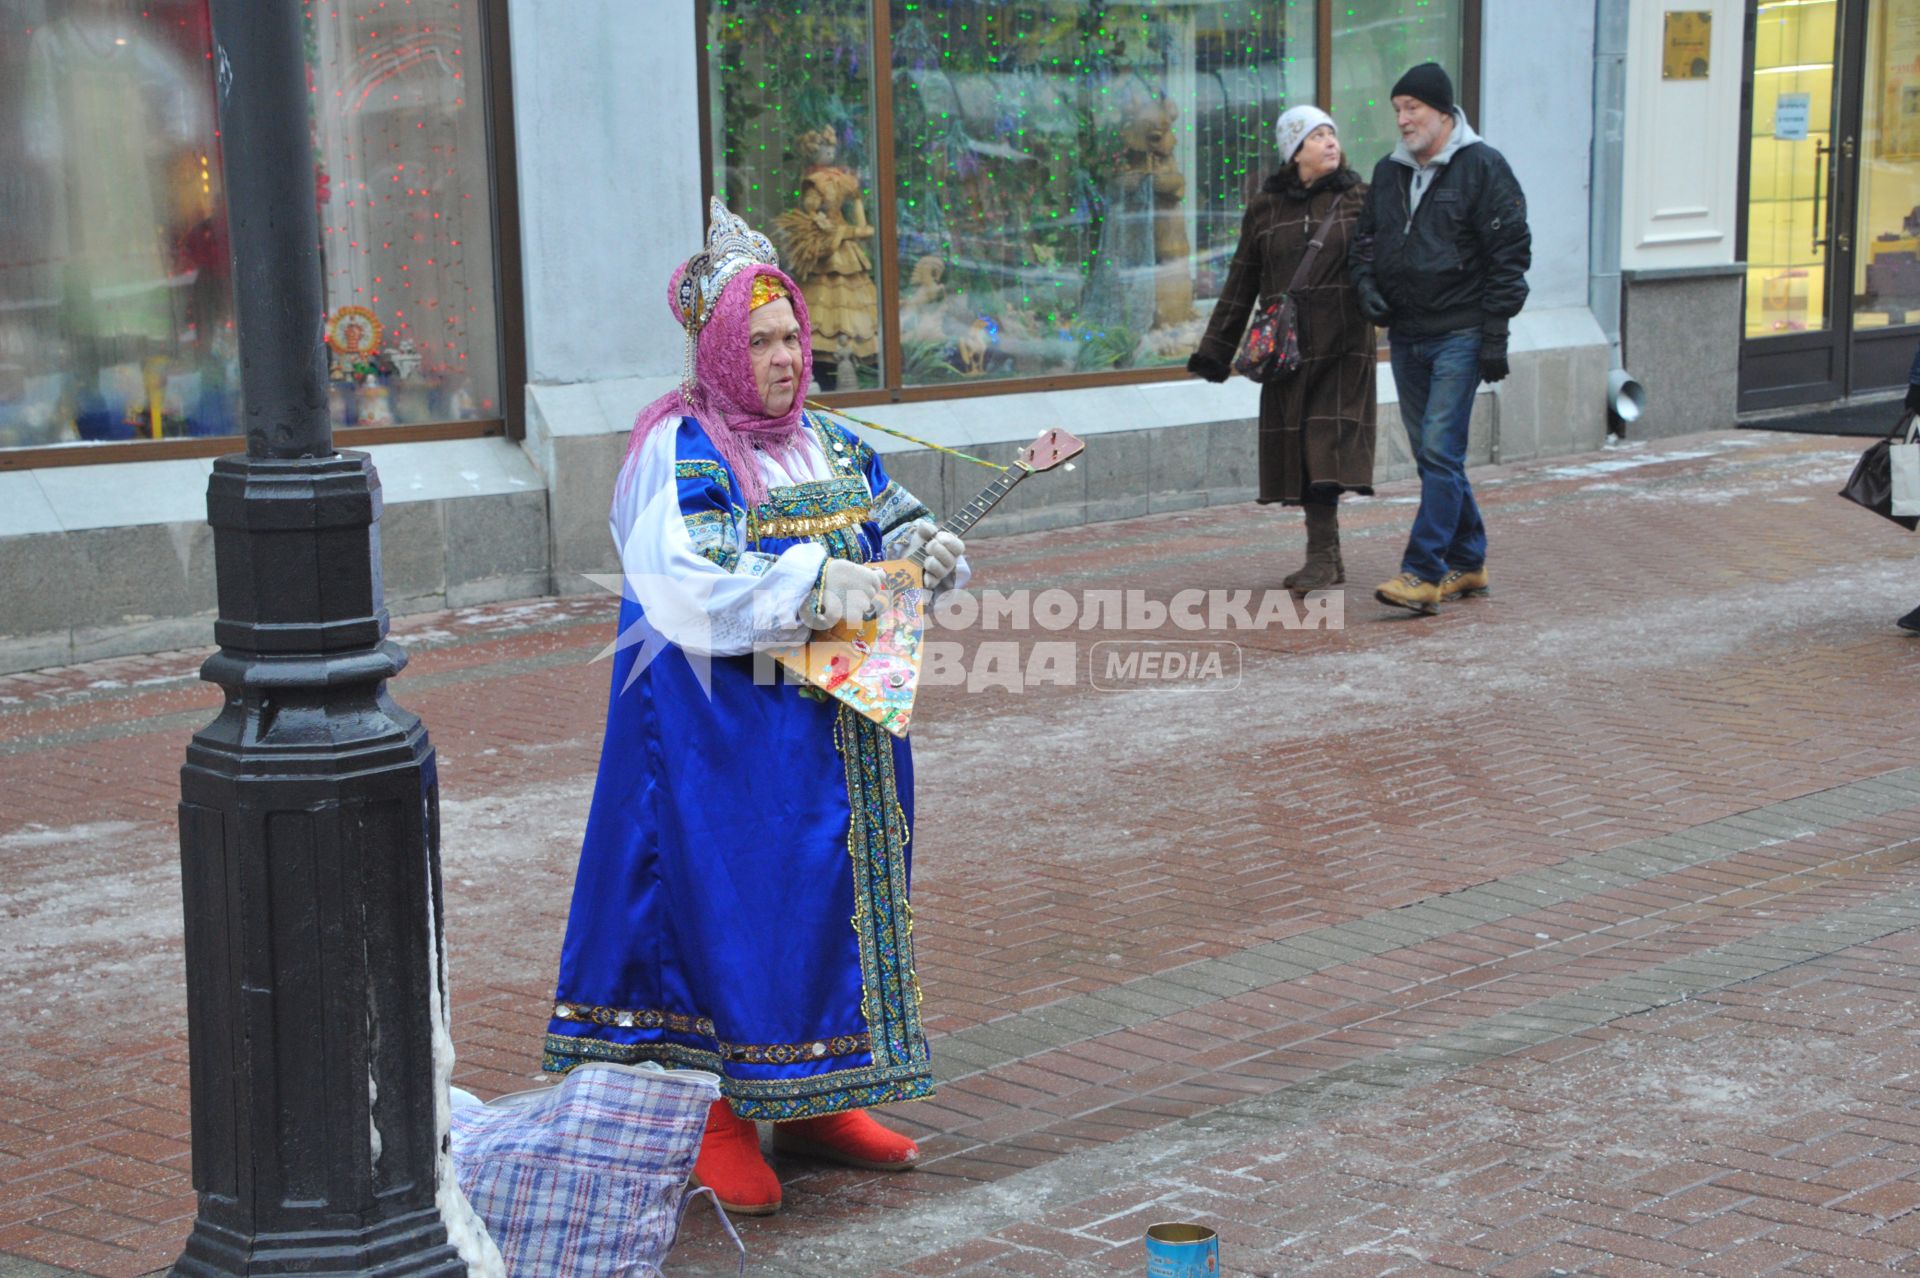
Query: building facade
point(1006, 217)
point(1770, 246)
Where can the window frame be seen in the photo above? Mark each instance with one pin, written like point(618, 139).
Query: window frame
point(504, 188)
point(888, 244)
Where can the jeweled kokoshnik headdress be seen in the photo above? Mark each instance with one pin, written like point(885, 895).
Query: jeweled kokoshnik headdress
point(732, 246)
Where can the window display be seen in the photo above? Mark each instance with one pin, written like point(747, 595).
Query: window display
point(406, 216)
point(116, 316)
point(791, 119)
point(1887, 287)
point(1788, 182)
point(1374, 41)
point(1069, 177)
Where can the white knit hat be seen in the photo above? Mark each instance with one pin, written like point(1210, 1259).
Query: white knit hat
point(1291, 129)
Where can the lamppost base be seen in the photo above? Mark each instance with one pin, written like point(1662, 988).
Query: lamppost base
point(414, 1245)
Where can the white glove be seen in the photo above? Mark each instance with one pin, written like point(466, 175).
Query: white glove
point(943, 551)
point(846, 591)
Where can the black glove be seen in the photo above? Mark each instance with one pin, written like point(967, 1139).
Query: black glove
point(1493, 357)
point(1374, 306)
point(1913, 397)
point(1208, 367)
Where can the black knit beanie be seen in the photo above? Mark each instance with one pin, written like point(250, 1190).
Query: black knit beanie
point(1429, 83)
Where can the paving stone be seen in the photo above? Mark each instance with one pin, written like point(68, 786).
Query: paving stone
point(1639, 883)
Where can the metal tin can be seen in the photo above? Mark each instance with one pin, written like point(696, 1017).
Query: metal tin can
point(1182, 1251)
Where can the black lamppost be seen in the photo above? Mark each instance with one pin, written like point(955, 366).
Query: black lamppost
point(309, 825)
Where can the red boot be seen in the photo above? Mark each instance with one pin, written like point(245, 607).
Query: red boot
point(730, 1164)
point(852, 1138)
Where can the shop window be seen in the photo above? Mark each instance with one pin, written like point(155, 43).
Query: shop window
point(1069, 177)
point(793, 153)
point(116, 312)
point(1066, 183)
point(1035, 191)
point(1374, 42)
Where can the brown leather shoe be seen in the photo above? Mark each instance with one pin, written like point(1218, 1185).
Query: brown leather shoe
point(1408, 591)
point(1464, 583)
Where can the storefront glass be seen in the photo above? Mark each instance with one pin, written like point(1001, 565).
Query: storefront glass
point(1374, 42)
point(116, 316)
point(1790, 167)
point(791, 122)
point(1070, 177)
point(1067, 177)
point(1887, 287)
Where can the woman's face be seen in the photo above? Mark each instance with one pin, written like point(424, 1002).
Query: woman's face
point(773, 333)
point(1319, 154)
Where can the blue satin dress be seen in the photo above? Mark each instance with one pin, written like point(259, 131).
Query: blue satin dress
point(741, 900)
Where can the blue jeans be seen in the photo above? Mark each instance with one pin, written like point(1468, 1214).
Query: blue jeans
point(1437, 378)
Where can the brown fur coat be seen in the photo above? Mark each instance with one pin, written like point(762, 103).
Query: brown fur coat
point(1316, 426)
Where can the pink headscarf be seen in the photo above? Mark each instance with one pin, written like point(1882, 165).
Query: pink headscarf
point(726, 401)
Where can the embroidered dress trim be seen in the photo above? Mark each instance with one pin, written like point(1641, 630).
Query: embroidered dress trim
point(714, 536)
point(762, 1099)
point(703, 470)
point(882, 917)
point(815, 499)
point(895, 508)
point(701, 1027)
point(847, 455)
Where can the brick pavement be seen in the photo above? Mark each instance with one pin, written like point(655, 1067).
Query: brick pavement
point(1569, 931)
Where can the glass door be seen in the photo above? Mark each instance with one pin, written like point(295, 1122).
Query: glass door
point(1885, 304)
point(1832, 190)
point(1796, 247)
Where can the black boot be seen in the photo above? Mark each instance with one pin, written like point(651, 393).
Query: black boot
point(1322, 568)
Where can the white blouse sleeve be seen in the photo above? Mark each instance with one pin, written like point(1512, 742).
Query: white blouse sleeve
point(686, 562)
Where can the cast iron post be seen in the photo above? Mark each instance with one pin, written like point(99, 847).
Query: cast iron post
point(308, 813)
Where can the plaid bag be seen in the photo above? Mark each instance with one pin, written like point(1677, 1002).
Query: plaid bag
point(587, 1177)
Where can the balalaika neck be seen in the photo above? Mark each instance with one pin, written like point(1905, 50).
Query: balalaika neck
point(974, 511)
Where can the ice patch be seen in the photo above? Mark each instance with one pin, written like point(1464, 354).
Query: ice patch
point(1612, 465)
point(43, 836)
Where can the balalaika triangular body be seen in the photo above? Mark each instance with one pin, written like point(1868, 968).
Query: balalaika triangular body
point(874, 665)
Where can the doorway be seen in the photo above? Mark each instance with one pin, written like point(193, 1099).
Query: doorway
point(1830, 210)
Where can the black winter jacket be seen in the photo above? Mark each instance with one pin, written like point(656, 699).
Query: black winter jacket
point(1460, 261)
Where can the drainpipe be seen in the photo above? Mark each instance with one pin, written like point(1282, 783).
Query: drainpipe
point(1624, 393)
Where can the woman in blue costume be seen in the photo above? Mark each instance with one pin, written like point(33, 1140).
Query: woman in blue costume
point(741, 902)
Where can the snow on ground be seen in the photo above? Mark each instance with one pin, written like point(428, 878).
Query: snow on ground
point(93, 929)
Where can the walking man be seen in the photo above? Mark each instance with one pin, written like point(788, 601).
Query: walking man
point(1439, 258)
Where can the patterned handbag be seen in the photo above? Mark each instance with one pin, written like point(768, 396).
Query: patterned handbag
point(1271, 349)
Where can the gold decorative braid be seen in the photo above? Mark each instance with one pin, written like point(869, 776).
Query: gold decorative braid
point(811, 525)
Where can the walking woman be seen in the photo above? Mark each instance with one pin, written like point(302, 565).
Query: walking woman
point(1316, 425)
